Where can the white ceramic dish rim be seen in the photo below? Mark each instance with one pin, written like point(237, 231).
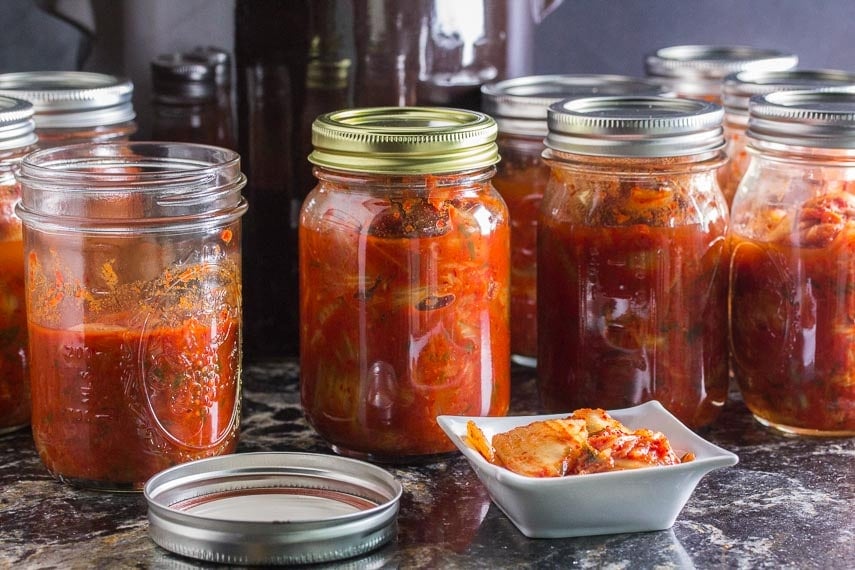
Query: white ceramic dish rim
point(650, 415)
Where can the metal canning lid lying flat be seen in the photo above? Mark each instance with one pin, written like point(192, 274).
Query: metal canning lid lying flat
point(635, 126)
point(817, 119)
point(519, 105)
point(404, 140)
point(71, 99)
point(273, 508)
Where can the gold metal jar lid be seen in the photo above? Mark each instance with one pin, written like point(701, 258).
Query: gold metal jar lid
point(404, 140)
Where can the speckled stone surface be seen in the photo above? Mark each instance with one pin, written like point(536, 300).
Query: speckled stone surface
point(789, 503)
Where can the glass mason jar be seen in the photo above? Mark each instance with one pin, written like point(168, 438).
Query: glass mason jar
point(404, 280)
point(792, 280)
point(737, 90)
point(74, 106)
point(134, 307)
point(631, 280)
point(519, 108)
point(697, 71)
point(16, 140)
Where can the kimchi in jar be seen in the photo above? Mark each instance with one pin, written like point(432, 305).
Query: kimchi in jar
point(404, 280)
point(738, 89)
point(74, 106)
point(792, 281)
point(132, 255)
point(697, 71)
point(16, 140)
point(519, 108)
point(631, 279)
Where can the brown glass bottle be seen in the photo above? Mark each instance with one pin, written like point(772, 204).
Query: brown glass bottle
point(271, 43)
point(184, 104)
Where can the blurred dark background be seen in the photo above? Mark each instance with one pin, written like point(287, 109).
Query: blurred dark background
point(607, 36)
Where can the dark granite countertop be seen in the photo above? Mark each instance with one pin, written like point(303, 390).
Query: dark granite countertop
point(789, 503)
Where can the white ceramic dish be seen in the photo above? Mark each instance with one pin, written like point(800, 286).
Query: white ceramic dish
point(600, 503)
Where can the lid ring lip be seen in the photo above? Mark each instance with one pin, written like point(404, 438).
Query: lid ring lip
point(270, 540)
point(170, 480)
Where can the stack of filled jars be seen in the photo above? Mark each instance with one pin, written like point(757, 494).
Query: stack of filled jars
point(607, 255)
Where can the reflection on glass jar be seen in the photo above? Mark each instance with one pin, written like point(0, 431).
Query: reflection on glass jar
point(132, 256)
point(519, 107)
point(74, 106)
point(792, 281)
point(16, 140)
point(631, 258)
point(404, 253)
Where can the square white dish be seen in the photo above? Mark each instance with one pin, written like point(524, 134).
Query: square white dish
point(634, 500)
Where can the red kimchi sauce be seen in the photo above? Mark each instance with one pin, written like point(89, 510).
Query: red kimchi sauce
point(113, 406)
point(521, 179)
point(793, 313)
point(404, 304)
point(14, 386)
point(632, 292)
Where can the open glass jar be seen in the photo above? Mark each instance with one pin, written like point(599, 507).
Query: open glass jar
point(132, 255)
point(792, 280)
point(631, 280)
point(16, 140)
point(404, 280)
point(519, 107)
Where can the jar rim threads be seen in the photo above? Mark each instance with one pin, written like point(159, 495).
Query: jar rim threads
point(131, 186)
